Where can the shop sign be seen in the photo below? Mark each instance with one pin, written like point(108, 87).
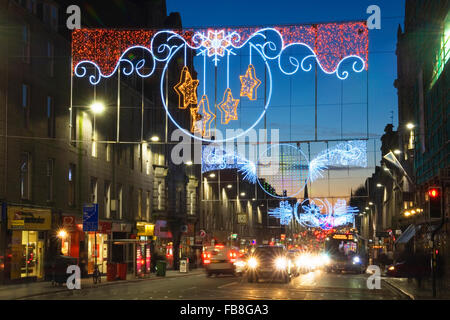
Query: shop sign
point(162, 230)
point(68, 223)
point(21, 218)
point(90, 217)
point(343, 236)
point(283, 237)
point(145, 229)
point(104, 227)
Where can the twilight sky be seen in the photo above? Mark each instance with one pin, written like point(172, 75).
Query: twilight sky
point(292, 106)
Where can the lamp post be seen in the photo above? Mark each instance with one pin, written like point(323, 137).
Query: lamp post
point(96, 107)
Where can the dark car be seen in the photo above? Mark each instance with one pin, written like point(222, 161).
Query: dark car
point(404, 269)
point(269, 262)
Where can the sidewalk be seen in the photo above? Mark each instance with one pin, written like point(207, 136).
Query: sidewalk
point(18, 291)
point(411, 289)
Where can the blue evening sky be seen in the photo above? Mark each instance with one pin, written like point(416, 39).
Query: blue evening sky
point(292, 107)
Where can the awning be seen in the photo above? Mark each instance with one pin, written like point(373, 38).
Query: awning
point(407, 234)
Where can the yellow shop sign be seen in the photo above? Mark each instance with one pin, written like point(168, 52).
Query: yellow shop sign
point(145, 229)
point(21, 218)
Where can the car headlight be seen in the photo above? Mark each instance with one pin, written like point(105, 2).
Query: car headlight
point(391, 268)
point(356, 260)
point(252, 263)
point(325, 259)
point(240, 264)
point(281, 263)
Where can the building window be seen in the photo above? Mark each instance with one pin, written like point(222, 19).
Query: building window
point(50, 118)
point(108, 152)
point(25, 176)
point(26, 104)
point(54, 18)
point(107, 199)
point(94, 148)
point(147, 206)
point(26, 44)
point(130, 202)
point(443, 53)
point(31, 6)
point(71, 180)
point(119, 200)
point(160, 196)
point(149, 160)
point(51, 16)
point(192, 203)
point(51, 59)
point(140, 158)
point(93, 198)
point(140, 204)
point(50, 169)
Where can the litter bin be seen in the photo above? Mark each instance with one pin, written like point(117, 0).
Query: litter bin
point(111, 271)
point(161, 268)
point(122, 271)
point(184, 265)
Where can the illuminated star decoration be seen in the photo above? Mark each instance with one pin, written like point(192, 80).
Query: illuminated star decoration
point(249, 83)
point(228, 107)
point(187, 87)
point(207, 116)
point(196, 126)
point(216, 43)
point(284, 212)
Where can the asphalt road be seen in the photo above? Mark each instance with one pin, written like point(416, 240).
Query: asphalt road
point(316, 285)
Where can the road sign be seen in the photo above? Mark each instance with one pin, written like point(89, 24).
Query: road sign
point(202, 233)
point(90, 217)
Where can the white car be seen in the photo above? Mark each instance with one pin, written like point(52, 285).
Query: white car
point(220, 259)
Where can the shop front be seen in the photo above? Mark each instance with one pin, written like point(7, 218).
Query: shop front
point(164, 245)
point(97, 244)
point(145, 233)
point(71, 234)
point(27, 233)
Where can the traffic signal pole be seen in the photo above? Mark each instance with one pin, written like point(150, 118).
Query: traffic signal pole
point(433, 234)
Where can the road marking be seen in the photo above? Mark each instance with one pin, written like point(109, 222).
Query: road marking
point(228, 284)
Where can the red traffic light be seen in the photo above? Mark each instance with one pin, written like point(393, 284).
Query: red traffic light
point(433, 192)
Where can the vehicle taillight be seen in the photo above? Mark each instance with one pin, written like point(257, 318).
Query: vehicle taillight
point(232, 256)
point(206, 258)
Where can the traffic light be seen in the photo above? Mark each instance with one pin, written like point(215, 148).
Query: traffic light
point(435, 202)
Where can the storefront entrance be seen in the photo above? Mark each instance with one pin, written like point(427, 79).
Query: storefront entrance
point(28, 233)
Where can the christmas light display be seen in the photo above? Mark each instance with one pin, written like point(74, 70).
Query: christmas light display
point(215, 158)
point(351, 153)
point(287, 174)
point(319, 213)
point(249, 83)
point(207, 117)
point(196, 123)
point(187, 87)
point(228, 107)
point(98, 53)
point(284, 212)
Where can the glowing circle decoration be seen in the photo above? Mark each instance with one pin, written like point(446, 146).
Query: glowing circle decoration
point(282, 171)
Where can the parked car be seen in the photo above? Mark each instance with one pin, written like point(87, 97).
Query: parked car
point(269, 262)
point(407, 270)
point(220, 259)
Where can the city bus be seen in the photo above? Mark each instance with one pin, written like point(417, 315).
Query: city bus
point(344, 253)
